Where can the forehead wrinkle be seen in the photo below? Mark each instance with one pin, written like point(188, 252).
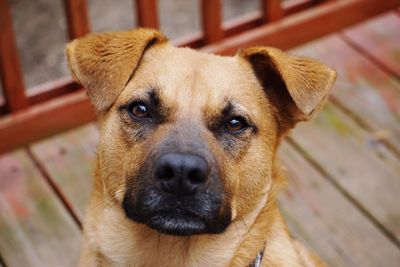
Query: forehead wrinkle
point(192, 92)
point(140, 87)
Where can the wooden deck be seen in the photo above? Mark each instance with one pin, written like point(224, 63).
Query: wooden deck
point(343, 168)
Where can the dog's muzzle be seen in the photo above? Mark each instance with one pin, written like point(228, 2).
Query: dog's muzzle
point(179, 194)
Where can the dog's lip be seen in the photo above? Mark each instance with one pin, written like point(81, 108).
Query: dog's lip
point(177, 208)
point(181, 224)
point(177, 211)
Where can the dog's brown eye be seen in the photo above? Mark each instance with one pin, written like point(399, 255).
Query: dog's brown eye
point(140, 110)
point(236, 124)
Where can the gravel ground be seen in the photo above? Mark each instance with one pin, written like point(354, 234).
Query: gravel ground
point(40, 28)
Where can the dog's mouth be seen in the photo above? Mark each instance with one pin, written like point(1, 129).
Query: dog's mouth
point(202, 213)
point(177, 223)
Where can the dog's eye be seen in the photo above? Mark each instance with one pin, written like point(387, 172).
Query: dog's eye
point(236, 124)
point(139, 110)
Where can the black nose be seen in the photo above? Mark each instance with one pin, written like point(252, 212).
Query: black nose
point(181, 173)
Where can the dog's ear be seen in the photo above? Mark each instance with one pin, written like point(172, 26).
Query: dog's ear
point(297, 86)
point(104, 63)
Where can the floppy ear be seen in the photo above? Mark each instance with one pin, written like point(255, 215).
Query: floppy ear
point(104, 63)
point(297, 86)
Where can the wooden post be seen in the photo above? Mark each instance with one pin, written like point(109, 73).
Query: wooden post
point(147, 13)
point(271, 10)
point(211, 20)
point(10, 69)
point(77, 17)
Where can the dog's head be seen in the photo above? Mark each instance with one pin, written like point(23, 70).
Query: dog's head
point(188, 139)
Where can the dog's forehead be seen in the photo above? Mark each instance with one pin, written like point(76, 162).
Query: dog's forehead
point(192, 78)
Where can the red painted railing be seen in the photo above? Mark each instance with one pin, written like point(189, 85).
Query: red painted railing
point(29, 115)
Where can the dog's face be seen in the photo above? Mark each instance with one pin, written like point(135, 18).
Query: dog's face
point(188, 139)
point(193, 136)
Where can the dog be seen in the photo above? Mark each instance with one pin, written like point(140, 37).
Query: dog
point(186, 169)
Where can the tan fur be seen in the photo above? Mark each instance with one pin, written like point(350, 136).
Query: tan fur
point(195, 87)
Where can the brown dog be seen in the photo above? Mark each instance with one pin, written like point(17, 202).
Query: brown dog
point(187, 173)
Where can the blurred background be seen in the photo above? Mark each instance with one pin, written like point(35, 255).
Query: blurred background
point(41, 28)
point(343, 168)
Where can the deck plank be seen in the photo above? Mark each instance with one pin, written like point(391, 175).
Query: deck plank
point(364, 169)
point(331, 242)
point(333, 235)
point(370, 95)
point(327, 222)
point(35, 228)
point(68, 158)
point(380, 38)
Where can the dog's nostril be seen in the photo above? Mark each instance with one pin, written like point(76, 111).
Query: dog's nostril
point(166, 172)
point(197, 176)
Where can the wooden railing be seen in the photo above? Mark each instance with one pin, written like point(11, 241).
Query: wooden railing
point(29, 115)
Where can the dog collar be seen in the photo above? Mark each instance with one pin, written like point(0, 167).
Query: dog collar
point(257, 261)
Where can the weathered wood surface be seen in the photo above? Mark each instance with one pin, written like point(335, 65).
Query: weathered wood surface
point(35, 228)
point(316, 212)
point(327, 222)
point(316, 219)
point(380, 39)
point(69, 160)
point(368, 93)
point(363, 168)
